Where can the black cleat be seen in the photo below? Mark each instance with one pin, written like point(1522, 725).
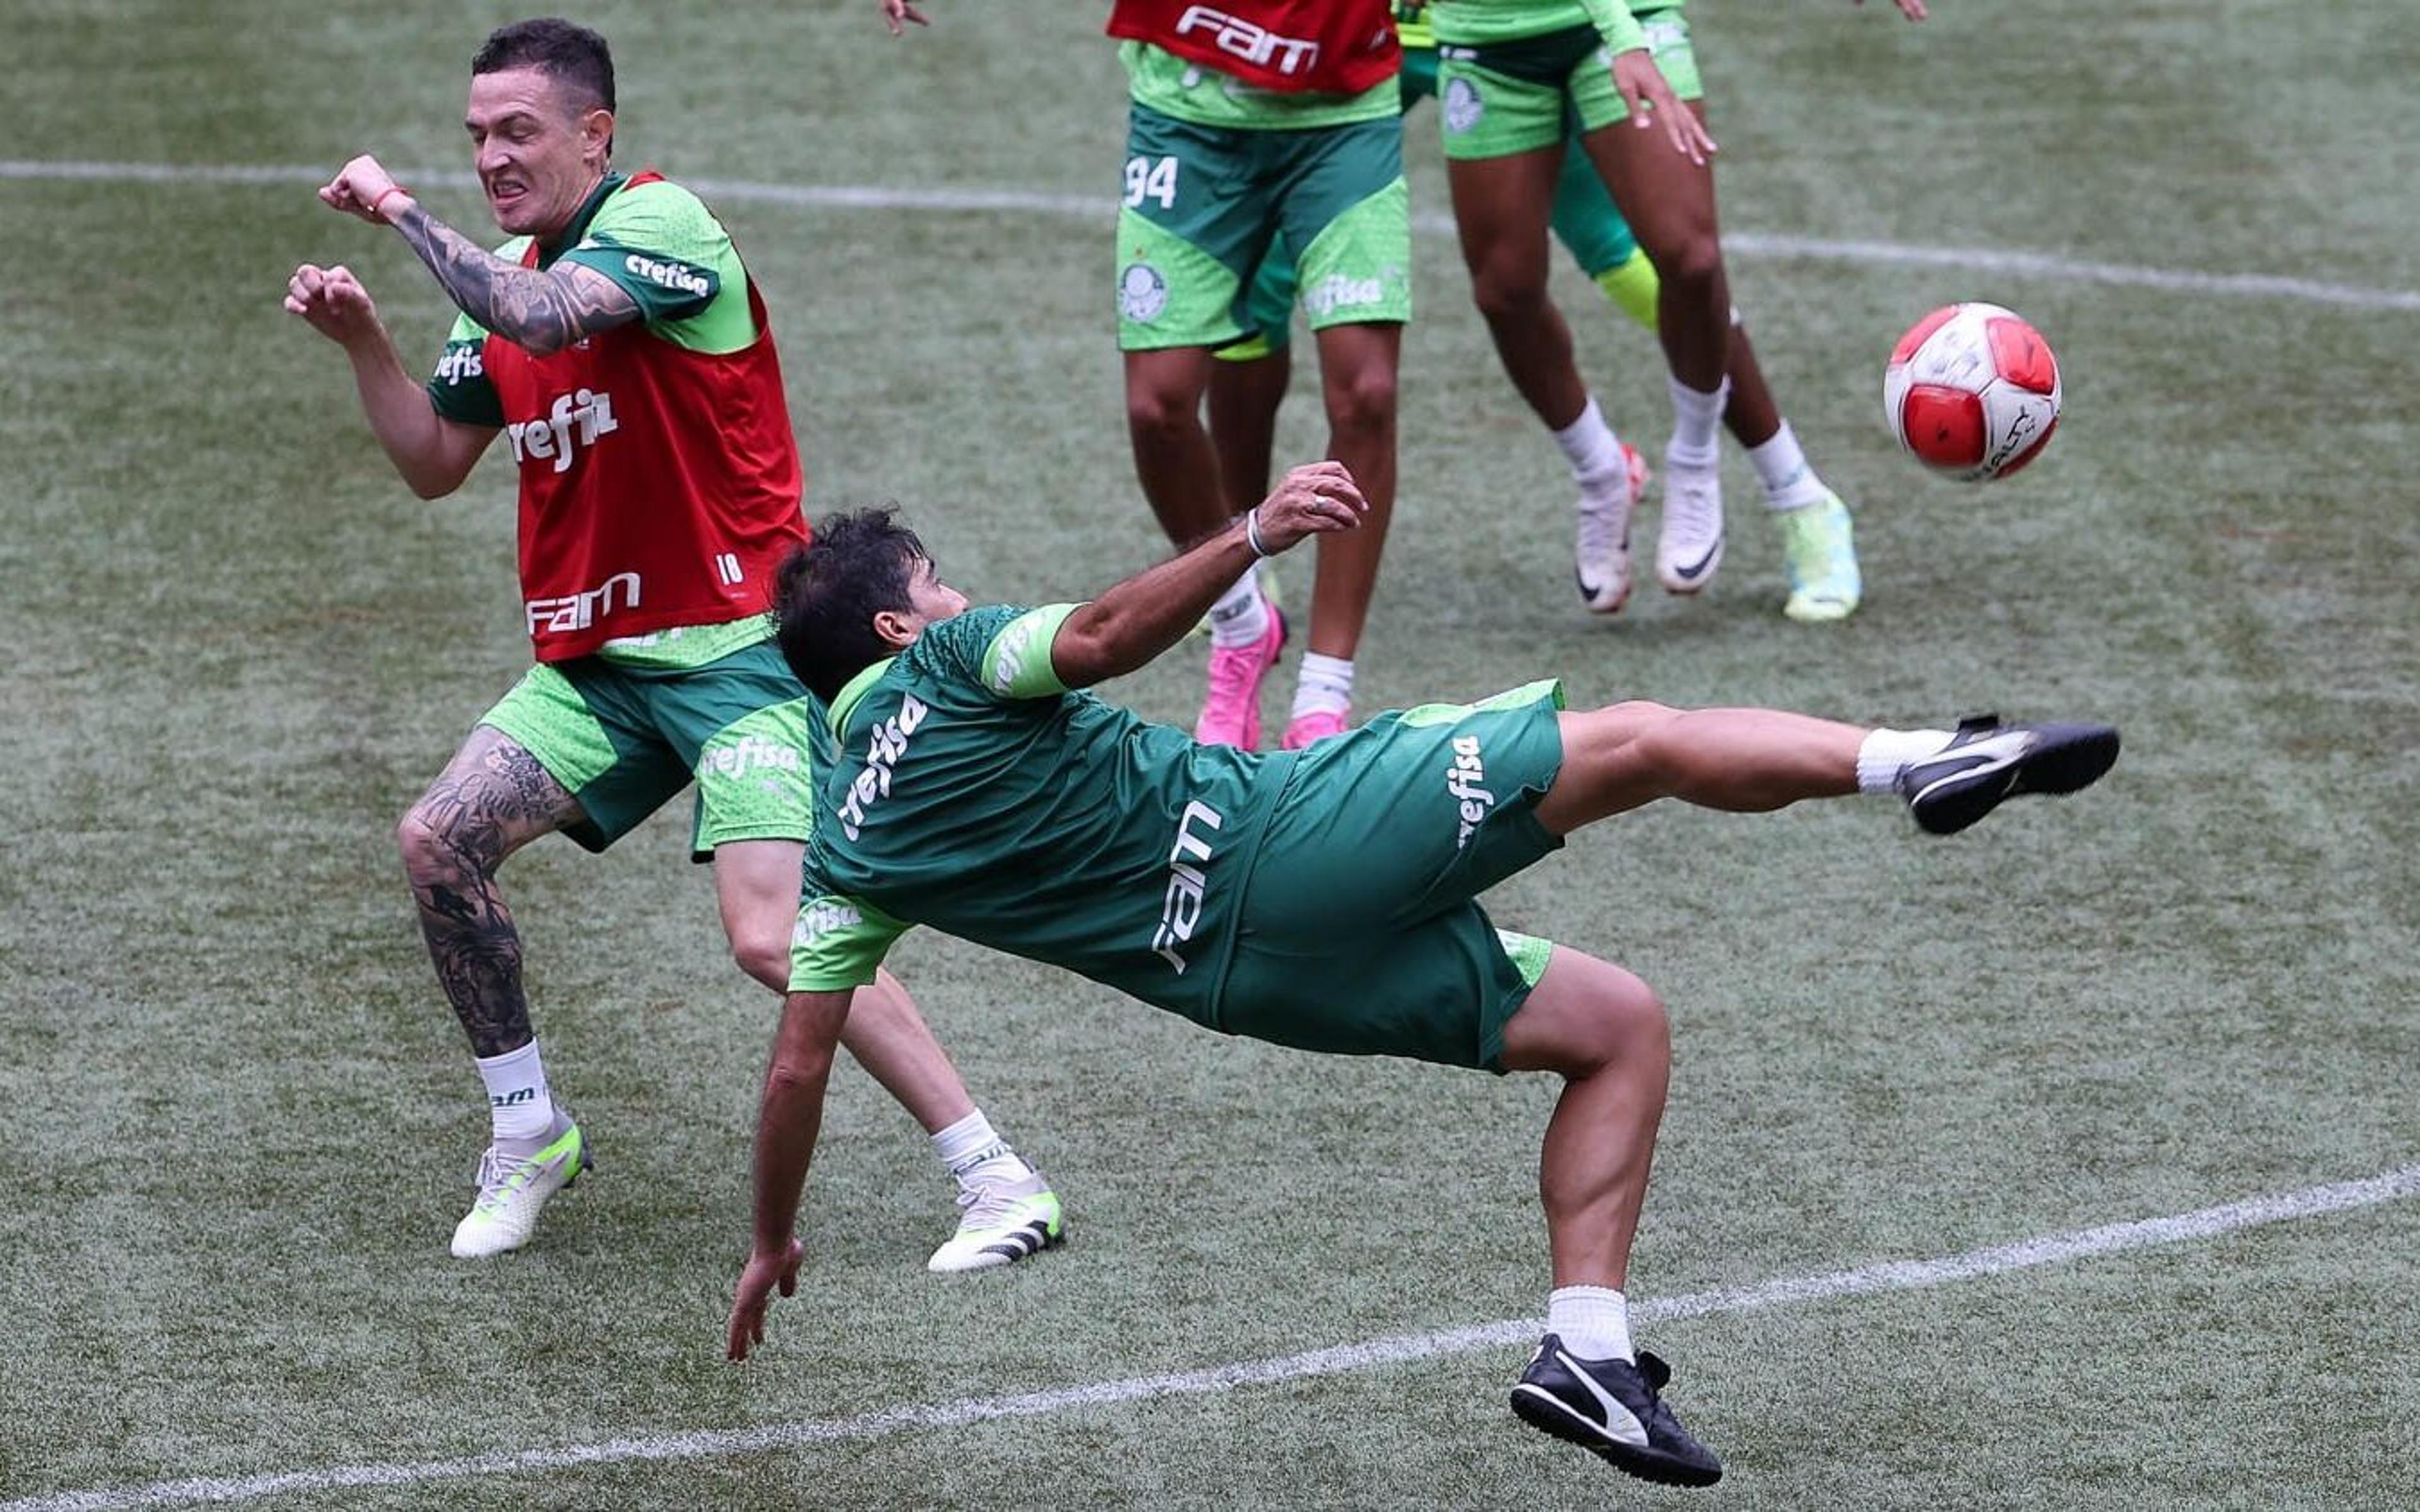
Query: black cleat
point(1611, 1408)
point(1987, 760)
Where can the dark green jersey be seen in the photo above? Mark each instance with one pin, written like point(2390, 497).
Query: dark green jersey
point(973, 793)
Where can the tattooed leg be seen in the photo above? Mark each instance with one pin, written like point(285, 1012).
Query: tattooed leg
point(490, 800)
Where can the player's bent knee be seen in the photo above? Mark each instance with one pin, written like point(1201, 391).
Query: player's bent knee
point(1362, 401)
point(426, 852)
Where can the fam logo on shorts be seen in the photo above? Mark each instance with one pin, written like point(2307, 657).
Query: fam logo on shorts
point(1463, 105)
point(1142, 293)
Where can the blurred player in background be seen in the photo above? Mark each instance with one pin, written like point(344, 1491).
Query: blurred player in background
point(618, 342)
point(1609, 474)
point(1321, 899)
point(1515, 76)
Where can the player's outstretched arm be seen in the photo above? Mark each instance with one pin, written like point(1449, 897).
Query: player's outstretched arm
point(541, 312)
point(789, 1118)
point(1145, 615)
point(432, 453)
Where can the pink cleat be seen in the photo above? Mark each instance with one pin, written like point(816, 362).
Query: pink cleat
point(1231, 716)
point(1309, 729)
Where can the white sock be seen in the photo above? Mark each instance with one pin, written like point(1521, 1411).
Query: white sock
point(1326, 685)
point(1887, 752)
point(1241, 616)
point(975, 1154)
point(1789, 482)
point(1696, 418)
point(518, 1098)
point(1593, 1323)
point(1594, 451)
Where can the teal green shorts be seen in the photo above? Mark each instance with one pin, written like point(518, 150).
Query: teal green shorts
point(1202, 203)
point(624, 740)
point(1514, 97)
point(1359, 933)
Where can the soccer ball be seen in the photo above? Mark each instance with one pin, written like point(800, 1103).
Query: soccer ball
point(1972, 392)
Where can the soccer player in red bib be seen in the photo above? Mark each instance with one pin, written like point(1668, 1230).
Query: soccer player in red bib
point(619, 345)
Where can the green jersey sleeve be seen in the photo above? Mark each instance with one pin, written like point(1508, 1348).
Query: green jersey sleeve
point(459, 389)
point(1002, 650)
point(839, 941)
point(1616, 25)
point(661, 245)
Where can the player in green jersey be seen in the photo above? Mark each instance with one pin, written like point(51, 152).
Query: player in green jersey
point(1250, 381)
point(1321, 897)
point(1515, 74)
point(590, 743)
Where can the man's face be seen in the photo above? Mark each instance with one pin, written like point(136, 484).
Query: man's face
point(929, 601)
point(933, 599)
point(538, 155)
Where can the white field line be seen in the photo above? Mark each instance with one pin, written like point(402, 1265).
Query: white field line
point(1101, 208)
point(1894, 1275)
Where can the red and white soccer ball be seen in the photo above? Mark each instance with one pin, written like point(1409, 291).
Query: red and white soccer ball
point(1972, 392)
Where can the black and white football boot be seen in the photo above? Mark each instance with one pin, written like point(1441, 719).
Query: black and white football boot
point(1987, 760)
point(1612, 1409)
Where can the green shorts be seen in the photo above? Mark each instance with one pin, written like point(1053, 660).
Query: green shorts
point(624, 740)
point(1517, 97)
point(1359, 933)
point(1202, 203)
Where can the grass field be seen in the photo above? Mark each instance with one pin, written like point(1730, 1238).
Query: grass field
point(236, 1118)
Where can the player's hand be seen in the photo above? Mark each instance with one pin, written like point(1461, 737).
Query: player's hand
point(1652, 103)
point(1309, 501)
point(1912, 10)
point(896, 11)
point(767, 1270)
point(359, 186)
point(333, 302)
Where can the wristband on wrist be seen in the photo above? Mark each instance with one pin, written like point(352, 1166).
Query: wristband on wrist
point(1252, 532)
point(378, 205)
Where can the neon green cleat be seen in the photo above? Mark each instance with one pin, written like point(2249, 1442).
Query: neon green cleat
point(516, 1177)
point(1004, 1221)
point(1821, 552)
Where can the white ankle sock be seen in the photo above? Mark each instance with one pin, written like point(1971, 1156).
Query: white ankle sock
point(518, 1098)
point(1593, 1323)
point(1325, 687)
point(1241, 616)
point(1789, 482)
point(1593, 451)
point(1887, 753)
point(1696, 418)
point(974, 1154)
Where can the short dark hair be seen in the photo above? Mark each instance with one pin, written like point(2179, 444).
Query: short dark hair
point(570, 54)
point(830, 589)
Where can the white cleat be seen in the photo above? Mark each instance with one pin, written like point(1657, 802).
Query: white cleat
point(1600, 562)
point(516, 1177)
point(1691, 546)
point(1004, 1221)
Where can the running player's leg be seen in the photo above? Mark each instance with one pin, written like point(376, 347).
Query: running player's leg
point(540, 760)
point(1591, 229)
point(1347, 207)
point(1750, 760)
point(1505, 123)
point(1195, 223)
point(1670, 204)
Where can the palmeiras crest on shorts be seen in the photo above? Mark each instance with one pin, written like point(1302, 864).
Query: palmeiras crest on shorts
point(1142, 293)
point(1463, 105)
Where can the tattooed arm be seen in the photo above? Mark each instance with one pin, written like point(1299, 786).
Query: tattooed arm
point(541, 312)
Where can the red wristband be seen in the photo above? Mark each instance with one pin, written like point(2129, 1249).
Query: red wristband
point(385, 194)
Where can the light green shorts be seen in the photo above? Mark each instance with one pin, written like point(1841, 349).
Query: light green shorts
point(1202, 203)
point(1517, 97)
point(624, 740)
